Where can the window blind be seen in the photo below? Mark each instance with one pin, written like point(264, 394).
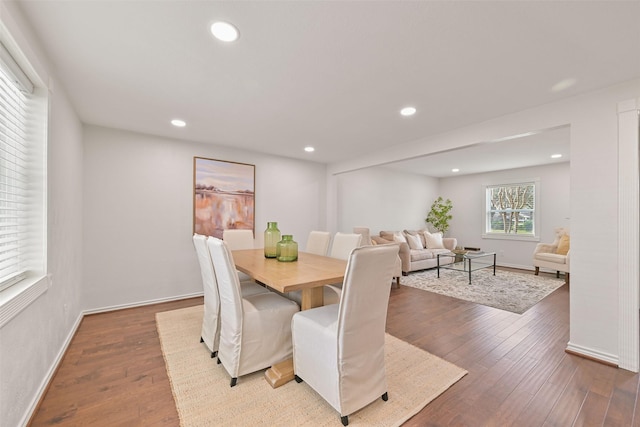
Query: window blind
point(13, 179)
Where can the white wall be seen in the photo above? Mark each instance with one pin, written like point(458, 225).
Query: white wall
point(138, 212)
point(32, 342)
point(467, 194)
point(383, 199)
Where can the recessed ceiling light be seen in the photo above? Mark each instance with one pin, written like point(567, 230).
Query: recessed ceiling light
point(455, 170)
point(178, 123)
point(224, 31)
point(563, 84)
point(408, 111)
point(309, 149)
point(556, 156)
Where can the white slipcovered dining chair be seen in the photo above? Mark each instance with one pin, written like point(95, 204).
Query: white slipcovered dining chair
point(237, 239)
point(255, 331)
point(318, 242)
point(366, 241)
point(338, 350)
point(343, 244)
point(210, 333)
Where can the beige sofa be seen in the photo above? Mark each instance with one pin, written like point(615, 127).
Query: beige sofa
point(421, 255)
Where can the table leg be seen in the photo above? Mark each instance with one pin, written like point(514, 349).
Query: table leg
point(438, 261)
point(312, 297)
point(280, 373)
point(494, 264)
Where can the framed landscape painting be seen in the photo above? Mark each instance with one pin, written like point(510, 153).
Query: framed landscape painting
point(223, 196)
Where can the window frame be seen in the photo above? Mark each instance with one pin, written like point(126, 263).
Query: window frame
point(36, 281)
point(14, 179)
point(486, 222)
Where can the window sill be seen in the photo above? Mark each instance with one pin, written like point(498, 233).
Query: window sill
point(16, 298)
point(511, 237)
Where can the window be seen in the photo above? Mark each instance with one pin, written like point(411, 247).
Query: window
point(510, 210)
point(22, 166)
point(13, 180)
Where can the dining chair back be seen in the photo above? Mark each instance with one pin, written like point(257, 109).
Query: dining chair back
point(344, 243)
point(349, 372)
point(255, 330)
point(318, 242)
point(238, 239)
point(210, 333)
point(366, 241)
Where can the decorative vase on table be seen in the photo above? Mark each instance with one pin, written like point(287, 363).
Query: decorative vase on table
point(287, 249)
point(271, 239)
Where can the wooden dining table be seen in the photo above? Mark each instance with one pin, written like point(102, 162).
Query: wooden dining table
point(308, 274)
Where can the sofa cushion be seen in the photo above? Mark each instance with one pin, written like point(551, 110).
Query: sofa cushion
point(557, 258)
point(439, 251)
point(434, 240)
point(420, 254)
point(414, 241)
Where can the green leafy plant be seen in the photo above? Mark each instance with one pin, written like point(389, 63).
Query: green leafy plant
point(439, 215)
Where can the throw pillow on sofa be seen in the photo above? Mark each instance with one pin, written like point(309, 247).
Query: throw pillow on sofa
point(419, 234)
point(434, 240)
point(414, 241)
point(399, 238)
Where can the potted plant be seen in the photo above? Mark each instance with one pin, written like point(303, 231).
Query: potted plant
point(439, 215)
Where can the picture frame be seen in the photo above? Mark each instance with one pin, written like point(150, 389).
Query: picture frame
point(223, 196)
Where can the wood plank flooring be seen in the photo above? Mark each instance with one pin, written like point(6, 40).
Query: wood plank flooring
point(519, 374)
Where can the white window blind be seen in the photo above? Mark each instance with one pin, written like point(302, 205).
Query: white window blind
point(13, 178)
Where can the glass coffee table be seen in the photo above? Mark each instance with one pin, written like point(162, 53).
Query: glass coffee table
point(471, 261)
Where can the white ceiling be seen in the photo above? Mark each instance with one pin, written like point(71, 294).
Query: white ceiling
point(332, 74)
point(514, 152)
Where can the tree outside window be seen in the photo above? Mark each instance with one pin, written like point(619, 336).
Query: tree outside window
point(511, 209)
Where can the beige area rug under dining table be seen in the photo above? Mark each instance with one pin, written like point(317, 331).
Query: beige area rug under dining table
point(203, 397)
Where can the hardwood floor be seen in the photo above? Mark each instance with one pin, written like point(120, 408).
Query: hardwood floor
point(519, 374)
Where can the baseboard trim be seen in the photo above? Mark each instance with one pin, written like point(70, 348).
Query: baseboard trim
point(516, 266)
point(142, 303)
point(595, 355)
point(46, 382)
